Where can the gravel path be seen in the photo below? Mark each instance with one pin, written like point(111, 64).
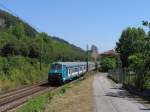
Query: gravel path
point(110, 97)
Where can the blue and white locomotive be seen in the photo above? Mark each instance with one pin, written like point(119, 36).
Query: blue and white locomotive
point(60, 72)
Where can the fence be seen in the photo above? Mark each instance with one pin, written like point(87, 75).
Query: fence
point(123, 76)
point(130, 81)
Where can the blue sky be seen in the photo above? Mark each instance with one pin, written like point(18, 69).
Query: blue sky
point(82, 22)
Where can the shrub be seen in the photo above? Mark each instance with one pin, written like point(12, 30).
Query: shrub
point(108, 63)
point(17, 71)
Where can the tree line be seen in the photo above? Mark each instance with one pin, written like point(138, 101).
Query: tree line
point(134, 49)
point(131, 65)
point(15, 42)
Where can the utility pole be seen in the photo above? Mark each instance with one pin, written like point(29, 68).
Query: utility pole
point(87, 66)
point(41, 54)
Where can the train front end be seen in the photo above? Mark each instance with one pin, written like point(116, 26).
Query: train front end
point(55, 74)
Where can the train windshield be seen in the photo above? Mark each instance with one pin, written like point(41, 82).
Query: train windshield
point(56, 67)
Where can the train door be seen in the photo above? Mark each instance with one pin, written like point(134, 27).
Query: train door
point(69, 72)
point(64, 72)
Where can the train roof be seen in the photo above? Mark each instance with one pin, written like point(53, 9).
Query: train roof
point(72, 63)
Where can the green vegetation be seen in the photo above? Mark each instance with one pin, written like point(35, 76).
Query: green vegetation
point(38, 103)
point(22, 49)
point(16, 71)
point(134, 49)
point(130, 42)
point(108, 63)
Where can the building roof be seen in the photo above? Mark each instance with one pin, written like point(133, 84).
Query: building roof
point(109, 52)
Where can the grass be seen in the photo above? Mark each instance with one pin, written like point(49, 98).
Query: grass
point(19, 71)
point(50, 99)
point(77, 99)
point(37, 103)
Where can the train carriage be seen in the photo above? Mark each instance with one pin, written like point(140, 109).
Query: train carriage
point(60, 72)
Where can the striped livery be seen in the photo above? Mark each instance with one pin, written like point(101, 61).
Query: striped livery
point(62, 71)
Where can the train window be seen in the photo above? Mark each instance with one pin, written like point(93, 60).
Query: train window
point(76, 69)
point(80, 68)
point(56, 67)
point(69, 71)
point(72, 70)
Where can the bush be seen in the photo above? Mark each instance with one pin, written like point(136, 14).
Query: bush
point(17, 71)
point(108, 63)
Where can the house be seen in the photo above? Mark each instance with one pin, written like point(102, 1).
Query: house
point(109, 53)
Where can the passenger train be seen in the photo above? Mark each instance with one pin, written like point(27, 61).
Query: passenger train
point(61, 72)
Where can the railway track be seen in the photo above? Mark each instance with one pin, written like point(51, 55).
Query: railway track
point(17, 97)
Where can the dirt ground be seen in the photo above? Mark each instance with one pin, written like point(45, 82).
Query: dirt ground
point(78, 98)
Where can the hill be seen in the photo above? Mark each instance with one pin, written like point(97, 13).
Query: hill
point(22, 48)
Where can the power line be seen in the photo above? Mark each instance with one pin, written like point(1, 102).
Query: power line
point(3, 6)
point(12, 12)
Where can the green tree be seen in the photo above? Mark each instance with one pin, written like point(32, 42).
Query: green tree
point(130, 42)
point(137, 62)
point(108, 63)
point(18, 30)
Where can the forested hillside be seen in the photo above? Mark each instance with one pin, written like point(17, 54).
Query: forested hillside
point(22, 48)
